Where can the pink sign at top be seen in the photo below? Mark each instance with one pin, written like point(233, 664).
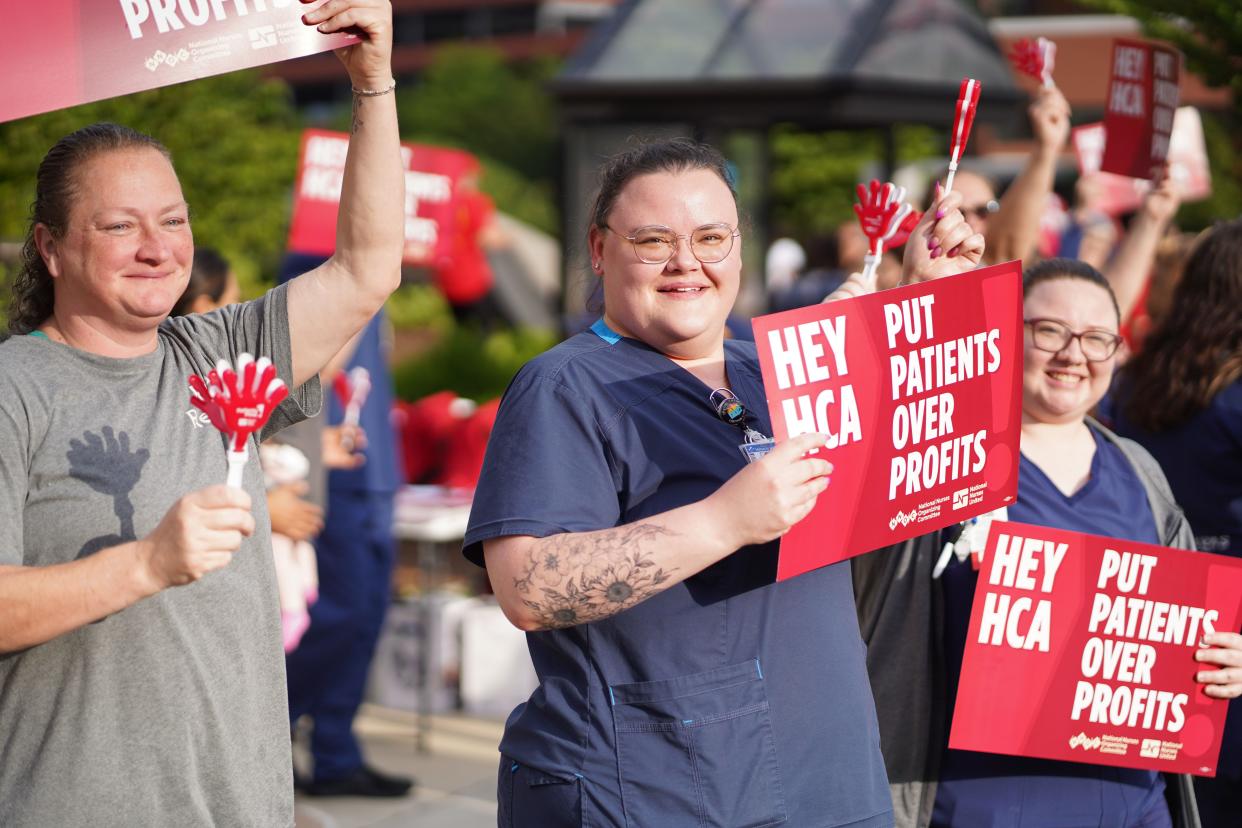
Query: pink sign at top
point(1143, 94)
point(60, 53)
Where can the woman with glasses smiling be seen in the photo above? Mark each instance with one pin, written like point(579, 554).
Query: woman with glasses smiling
point(915, 599)
point(624, 526)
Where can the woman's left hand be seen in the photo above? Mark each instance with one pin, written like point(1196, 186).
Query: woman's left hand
point(1226, 654)
point(369, 62)
point(942, 244)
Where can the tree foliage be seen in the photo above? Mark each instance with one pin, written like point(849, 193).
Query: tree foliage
point(1209, 33)
point(234, 141)
point(814, 173)
point(470, 98)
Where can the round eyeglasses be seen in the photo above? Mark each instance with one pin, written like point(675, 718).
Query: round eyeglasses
point(655, 244)
point(1053, 336)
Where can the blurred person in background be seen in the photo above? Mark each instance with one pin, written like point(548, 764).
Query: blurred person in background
point(356, 551)
point(1181, 398)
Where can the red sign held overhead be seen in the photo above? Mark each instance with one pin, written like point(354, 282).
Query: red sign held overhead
point(918, 390)
point(434, 194)
point(60, 53)
point(1095, 638)
point(1188, 164)
point(1142, 98)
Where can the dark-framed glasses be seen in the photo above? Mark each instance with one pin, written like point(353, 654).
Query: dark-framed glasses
point(1053, 336)
point(656, 244)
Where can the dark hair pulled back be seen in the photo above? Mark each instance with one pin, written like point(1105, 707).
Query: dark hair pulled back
point(1050, 270)
point(55, 185)
point(672, 155)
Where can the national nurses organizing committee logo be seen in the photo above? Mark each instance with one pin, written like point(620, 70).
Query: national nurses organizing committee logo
point(162, 58)
point(1085, 742)
point(903, 519)
point(262, 37)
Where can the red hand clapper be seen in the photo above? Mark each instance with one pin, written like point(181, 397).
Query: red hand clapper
point(881, 210)
point(1034, 58)
point(238, 403)
point(967, 103)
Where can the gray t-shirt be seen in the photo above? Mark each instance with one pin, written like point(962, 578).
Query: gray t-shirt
point(173, 711)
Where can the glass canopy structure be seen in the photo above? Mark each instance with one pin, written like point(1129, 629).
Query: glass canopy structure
point(725, 71)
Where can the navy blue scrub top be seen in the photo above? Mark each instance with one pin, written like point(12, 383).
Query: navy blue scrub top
point(985, 789)
point(1202, 459)
point(727, 699)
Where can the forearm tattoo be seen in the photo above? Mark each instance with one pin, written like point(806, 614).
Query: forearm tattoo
point(574, 579)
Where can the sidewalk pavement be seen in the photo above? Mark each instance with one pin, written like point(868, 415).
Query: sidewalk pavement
point(456, 776)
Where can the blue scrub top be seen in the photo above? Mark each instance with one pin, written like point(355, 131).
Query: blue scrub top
point(985, 789)
point(1202, 459)
point(727, 699)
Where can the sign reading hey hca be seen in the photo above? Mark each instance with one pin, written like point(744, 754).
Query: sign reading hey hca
point(1143, 94)
point(917, 389)
point(433, 196)
point(1081, 648)
point(1188, 164)
point(60, 53)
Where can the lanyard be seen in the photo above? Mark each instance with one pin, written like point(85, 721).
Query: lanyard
point(731, 410)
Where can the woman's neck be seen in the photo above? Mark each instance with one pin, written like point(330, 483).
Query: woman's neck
point(92, 335)
point(1062, 451)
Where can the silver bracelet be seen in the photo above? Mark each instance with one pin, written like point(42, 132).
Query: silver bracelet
point(373, 93)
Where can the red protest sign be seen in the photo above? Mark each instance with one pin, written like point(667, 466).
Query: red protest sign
point(918, 388)
point(1095, 638)
point(1188, 164)
point(60, 53)
point(1142, 97)
point(433, 180)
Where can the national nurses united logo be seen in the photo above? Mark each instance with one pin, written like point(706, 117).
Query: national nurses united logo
point(262, 37)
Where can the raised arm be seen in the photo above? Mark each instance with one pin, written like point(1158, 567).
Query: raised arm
point(1014, 230)
point(578, 577)
point(334, 301)
point(1130, 267)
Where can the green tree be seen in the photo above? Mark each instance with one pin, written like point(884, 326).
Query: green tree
point(814, 173)
point(1209, 34)
point(234, 141)
point(471, 99)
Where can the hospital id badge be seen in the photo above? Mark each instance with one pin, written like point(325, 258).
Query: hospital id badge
point(756, 449)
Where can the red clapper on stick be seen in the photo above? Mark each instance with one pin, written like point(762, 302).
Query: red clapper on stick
point(882, 210)
point(352, 388)
point(1035, 58)
point(967, 103)
point(238, 403)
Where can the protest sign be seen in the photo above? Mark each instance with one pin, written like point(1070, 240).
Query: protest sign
point(1188, 164)
point(60, 53)
point(918, 390)
point(1142, 96)
point(433, 182)
point(1081, 648)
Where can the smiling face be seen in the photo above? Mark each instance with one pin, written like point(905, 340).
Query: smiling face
point(1063, 387)
point(125, 254)
point(678, 307)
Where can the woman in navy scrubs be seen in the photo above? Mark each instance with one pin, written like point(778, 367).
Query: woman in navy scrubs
point(1181, 398)
point(1074, 475)
point(622, 526)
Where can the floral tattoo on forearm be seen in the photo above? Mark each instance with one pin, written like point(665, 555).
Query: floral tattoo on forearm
point(574, 579)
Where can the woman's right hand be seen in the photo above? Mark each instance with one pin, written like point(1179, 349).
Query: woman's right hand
point(764, 500)
point(197, 535)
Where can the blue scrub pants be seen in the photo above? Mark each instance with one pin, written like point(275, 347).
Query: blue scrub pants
point(328, 671)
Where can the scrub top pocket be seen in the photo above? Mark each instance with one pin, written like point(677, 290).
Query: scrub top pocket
point(697, 751)
point(530, 798)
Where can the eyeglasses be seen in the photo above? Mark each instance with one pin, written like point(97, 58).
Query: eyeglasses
point(1053, 336)
point(655, 244)
point(982, 211)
